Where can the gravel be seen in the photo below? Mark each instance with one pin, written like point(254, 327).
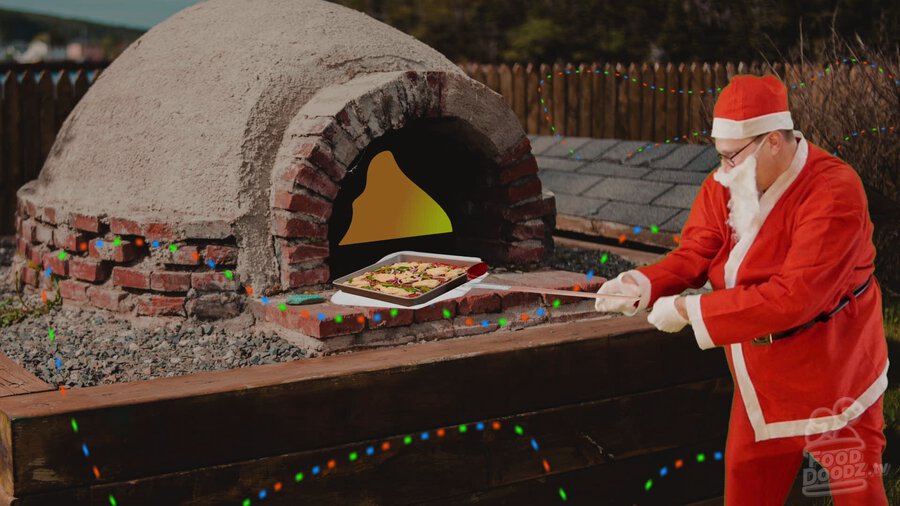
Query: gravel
point(92, 347)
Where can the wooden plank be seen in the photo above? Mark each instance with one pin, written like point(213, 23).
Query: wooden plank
point(65, 99)
point(659, 103)
point(585, 79)
point(618, 483)
point(547, 96)
point(519, 95)
point(31, 133)
point(696, 101)
point(609, 101)
point(15, 380)
point(558, 103)
point(143, 429)
point(504, 74)
point(647, 116)
point(622, 103)
point(14, 173)
point(47, 115)
point(673, 123)
point(597, 101)
point(7, 191)
point(593, 434)
point(573, 101)
point(635, 101)
point(533, 107)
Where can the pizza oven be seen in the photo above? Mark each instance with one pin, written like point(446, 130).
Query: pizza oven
point(272, 161)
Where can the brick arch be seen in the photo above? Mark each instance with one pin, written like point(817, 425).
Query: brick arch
point(335, 125)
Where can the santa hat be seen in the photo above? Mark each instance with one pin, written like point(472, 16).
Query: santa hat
point(750, 106)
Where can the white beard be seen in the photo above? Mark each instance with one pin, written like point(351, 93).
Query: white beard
point(743, 204)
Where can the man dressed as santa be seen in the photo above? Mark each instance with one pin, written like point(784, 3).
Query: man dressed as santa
point(781, 230)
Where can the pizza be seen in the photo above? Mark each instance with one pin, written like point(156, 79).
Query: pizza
point(407, 279)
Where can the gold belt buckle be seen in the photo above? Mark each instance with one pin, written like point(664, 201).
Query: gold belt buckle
point(767, 339)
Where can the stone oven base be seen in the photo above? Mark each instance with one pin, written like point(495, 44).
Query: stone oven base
point(590, 407)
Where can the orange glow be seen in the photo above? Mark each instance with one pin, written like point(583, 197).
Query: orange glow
point(679, 463)
point(44, 297)
point(249, 290)
point(441, 432)
point(524, 317)
point(385, 446)
point(331, 464)
point(469, 321)
point(195, 255)
point(546, 466)
point(138, 242)
point(304, 313)
point(576, 288)
point(496, 425)
point(83, 246)
point(96, 473)
point(62, 390)
point(676, 239)
point(277, 487)
point(621, 238)
point(361, 319)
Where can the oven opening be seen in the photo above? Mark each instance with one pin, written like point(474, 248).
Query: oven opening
point(407, 191)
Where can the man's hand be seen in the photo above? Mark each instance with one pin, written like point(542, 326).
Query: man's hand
point(666, 317)
point(623, 284)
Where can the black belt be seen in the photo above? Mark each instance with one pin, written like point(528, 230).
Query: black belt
point(823, 317)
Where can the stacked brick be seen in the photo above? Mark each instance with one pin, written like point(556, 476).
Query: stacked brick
point(511, 217)
point(124, 265)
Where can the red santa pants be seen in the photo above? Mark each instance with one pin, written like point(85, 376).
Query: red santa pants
point(762, 473)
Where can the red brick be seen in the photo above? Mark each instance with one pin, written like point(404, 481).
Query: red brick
point(221, 255)
point(316, 207)
point(85, 222)
point(43, 234)
point(292, 277)
point(305, 318)
point(435, 311)
point(213, 282)
point(514, 154)
point(531, 229)
point(512, 193)
point(523, 168)
point(183, 255)
point(402, 318)
point(21, 247)
point(130, 277)
point(124, 252)
point(528, 210)
point(478, 301)
point(170, 281)
point(30, 276)
point(57, 266)
point(48, 215)
point(18, 222)
point(159, 232)
point(30, 208)
point(311, 178)
point(27, 232)
point(88, 269)
point(36, 255)
point(523, 252)
point(322, 157)
point(559, 280)
point(73, 290)
point(123, 226)
point(69, 240)
point(159, 305)
point(109, 298)
point(286, 226)
point(300, 252)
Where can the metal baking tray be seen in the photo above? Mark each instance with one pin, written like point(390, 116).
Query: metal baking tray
point(407, 256)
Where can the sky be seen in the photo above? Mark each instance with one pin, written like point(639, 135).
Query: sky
point(141, 14)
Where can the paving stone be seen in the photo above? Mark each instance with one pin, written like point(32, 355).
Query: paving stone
point(676, 176)
point(676, 223)
point(596, 147)
point(565, 182)
point(627, 190)
point(635, 214)
point(613, 169)
point(563, 164)
point(650, 153)
point(541, 143)
point(577, 206)
point(681, 195)
point(618, 152)
point(681, 158)
point(561, 148)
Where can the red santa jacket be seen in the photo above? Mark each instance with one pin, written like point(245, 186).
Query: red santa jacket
point(811, 247)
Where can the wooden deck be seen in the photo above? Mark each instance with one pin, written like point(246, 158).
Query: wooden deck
point(584, 389)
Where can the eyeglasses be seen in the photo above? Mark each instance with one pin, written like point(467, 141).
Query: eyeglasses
point(730, 159)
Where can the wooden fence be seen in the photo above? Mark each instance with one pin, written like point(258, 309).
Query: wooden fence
point(655, 103)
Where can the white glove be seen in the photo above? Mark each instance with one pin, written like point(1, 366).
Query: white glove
point(615, 305)
point(665, 316)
